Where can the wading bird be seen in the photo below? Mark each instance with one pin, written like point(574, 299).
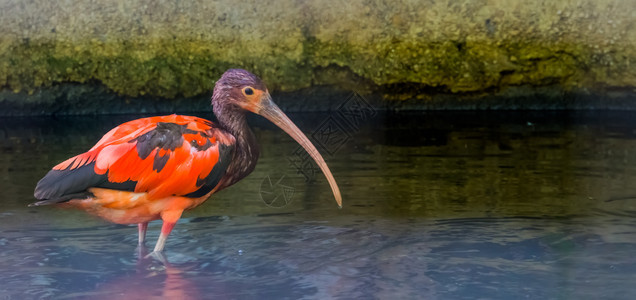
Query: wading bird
point(157, 167)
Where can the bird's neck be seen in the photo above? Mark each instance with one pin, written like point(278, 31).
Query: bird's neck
point(246, 150)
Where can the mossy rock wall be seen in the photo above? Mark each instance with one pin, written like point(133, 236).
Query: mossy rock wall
point(179, 48)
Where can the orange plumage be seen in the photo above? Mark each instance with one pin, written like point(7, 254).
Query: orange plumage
point(116, 154)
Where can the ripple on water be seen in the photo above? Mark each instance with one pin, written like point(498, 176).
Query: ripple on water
point(436, 206)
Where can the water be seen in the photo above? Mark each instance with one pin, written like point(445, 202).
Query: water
point(448, 205)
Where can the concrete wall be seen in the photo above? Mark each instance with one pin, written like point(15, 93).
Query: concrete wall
point(409, 48)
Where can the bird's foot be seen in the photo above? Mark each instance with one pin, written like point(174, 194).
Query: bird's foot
point(158, 256)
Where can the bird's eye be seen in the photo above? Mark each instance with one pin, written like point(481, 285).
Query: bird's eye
point(248, 91)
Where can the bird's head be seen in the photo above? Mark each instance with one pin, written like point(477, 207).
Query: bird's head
point(240, 90)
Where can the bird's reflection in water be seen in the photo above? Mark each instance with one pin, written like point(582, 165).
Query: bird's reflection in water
point(154, 278)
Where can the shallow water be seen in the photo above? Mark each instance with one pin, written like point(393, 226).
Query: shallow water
point(444, 205)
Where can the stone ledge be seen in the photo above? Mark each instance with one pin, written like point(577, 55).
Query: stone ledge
point(177, 49)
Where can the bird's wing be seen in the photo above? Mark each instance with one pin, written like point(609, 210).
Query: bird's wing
point(162, 156)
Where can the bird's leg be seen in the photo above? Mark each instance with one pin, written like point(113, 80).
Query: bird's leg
point(166, 228)
point(142, 232)
point(170, 219)
point(141, 248)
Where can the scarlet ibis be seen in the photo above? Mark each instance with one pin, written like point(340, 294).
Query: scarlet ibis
point(157, 167)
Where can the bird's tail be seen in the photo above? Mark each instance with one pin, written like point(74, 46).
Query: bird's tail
point(62, 199)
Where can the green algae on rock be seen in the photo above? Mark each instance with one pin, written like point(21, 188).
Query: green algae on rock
point(178, 49)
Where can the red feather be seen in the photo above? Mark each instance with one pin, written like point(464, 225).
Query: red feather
point(118, 155)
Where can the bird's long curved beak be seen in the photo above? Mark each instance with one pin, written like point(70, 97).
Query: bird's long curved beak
point(270, 111)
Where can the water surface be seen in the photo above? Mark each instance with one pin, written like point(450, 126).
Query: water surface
point(444, 205)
